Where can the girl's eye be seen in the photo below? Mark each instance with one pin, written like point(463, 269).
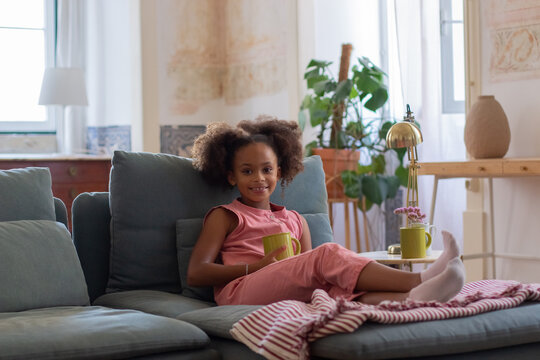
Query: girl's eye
point(268, 170)
point(246, 171)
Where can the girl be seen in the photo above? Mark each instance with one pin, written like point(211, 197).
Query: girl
point(254, 156)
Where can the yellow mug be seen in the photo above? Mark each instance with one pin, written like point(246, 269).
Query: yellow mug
point(414, 242)
point(272, 242)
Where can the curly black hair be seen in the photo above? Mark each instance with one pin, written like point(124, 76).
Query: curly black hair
point(213, 152)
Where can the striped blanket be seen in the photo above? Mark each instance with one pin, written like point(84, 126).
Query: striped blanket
point(283, 330)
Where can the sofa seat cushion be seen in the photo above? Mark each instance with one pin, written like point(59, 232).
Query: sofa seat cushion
point(218, 320)
point(26, 194)
point(489, 330)
point(39, 266)
point(93, 332)
point(152, 302)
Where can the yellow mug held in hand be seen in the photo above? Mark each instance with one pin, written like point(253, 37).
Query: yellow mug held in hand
point(414, 242)
point(272, 242)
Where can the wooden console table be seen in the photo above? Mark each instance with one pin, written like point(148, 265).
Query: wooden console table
point(71, 174)
point(484, 168)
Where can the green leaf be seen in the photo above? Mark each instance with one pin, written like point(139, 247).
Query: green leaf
point(401, 154)
point(363, 169)
point(312, 82)
point(319, 63)
point(321, 87)
point(302, 119)
point(310, 146)
point(343, 90)
point(378, 163)
point(317, 116)
point(393, 186)
point(366, 83)
point(403, 175)
point(312, 73)
point(352, 183)
point(377, 100)
point(374, 189)
point(384, 129)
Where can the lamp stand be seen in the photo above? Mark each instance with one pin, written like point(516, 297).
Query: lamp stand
point(61, 131)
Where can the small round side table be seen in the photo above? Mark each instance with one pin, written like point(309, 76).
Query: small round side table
point(383, 257)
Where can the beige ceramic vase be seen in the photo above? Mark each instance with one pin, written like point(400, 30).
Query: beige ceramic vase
point(487, 134)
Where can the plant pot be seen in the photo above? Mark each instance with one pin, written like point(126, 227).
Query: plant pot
point(487, 133)
point(334, 162)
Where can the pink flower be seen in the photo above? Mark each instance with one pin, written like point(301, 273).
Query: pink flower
point(413, 213)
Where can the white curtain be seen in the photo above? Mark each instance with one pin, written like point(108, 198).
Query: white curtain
point(70, 52)
point(417, 43)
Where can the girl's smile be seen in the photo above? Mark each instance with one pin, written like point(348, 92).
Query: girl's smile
point(255, 173)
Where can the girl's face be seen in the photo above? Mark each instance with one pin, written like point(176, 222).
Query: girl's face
point(256, 173)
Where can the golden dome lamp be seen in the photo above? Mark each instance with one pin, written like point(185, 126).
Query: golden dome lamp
point(407, 134)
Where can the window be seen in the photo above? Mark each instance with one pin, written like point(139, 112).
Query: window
point(27, 35)
point(452, 56)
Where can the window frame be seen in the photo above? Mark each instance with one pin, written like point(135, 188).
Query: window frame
point(449, 104)
point(52, 112)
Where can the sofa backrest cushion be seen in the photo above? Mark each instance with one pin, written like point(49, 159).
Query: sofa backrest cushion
point(305, 194)
point(148, 193)
point(39, 266)
point(25, 194)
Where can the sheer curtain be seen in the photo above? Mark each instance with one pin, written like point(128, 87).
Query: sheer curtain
point(70, 52)
point(417, 76)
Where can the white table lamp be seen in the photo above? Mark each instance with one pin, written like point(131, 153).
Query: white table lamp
point(64, 87)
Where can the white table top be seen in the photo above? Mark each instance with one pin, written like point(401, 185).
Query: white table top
point(384, 258)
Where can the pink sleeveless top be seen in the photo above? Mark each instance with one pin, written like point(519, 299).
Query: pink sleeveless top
point(244, 244)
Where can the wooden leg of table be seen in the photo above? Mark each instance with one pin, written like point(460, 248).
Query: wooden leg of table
point(492, 227)
point(347, 225)
point(364, 217)
point(433, 200)
point(356, 225)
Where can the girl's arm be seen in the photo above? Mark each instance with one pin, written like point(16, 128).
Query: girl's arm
point(305, 240)
point(202, 270)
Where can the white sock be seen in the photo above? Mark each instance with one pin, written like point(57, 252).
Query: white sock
point(451, 250)
point(443, 286)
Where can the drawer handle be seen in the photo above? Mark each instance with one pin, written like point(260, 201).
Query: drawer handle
point(73, 193)
point(481, 168)
point(72, 170)
point(523, 168)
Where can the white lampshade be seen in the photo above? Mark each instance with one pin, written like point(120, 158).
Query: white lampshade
point(63, 86)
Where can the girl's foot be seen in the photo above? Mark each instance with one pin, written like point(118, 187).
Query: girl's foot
point(451, 251)
point(443, 286)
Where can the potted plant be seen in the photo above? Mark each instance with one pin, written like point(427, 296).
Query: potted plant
point(345, 113)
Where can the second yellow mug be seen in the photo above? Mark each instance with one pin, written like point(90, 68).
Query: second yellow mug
point(272, 242)
point(414, 242)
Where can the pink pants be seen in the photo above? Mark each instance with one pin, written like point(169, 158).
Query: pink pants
point(330, 267)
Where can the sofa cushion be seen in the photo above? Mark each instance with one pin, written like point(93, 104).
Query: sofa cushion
point(489, 330)
point(25, 194)
point(148, 193)
point(218, 320)
point(152, 302)
point(93, 332)
point(187, 233)
point(39, 266)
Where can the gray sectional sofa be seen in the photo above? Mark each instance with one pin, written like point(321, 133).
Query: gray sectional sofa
point(134, 244)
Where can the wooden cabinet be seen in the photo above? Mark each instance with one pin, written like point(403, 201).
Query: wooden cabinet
point(71, 174)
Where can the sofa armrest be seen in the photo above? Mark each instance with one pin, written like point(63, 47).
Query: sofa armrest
point(91, 235)
point(60, 211)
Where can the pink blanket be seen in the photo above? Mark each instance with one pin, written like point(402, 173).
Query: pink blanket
point(284, 329)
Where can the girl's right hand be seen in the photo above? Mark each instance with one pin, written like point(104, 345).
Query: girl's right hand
point(269, 258)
